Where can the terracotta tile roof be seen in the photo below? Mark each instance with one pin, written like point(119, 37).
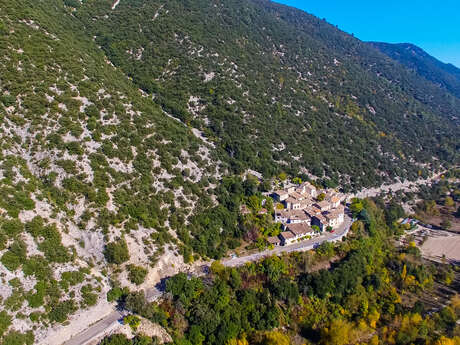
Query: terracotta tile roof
point(299, 229)
point(287, 235)
point(273, 239)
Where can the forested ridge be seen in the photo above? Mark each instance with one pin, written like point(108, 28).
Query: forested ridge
point(277, 89)
point(447, 76)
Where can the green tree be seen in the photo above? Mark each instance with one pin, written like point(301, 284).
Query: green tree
point(446, 224)
point(321, 197)
point(5, 322)
point(449, 202)
point(117, 252)
point(137, 274)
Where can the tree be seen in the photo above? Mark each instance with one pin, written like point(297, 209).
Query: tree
point(297, 180)
point(321, 197)
point(446, 224)
point(449, 202)
point(275, 338)
point(282, 176)
point(133, 321)
point(137, 274)
point(339, 332)
point(116, 339)
point(117, 252)
point(5, 322)
point(356, 207)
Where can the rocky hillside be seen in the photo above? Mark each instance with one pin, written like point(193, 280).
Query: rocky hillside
point(89, 165)
point(123, 124)
point(279, 90)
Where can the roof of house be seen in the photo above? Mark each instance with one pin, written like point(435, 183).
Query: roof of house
point(287, 235)
point(281, 192)
point(273, 239)
point(297, 196)
point(297, 214)
point(299, 229)
point(333, 215)
point(312, 211)
point(292, 200)
point(321, 218)
point(337, 211)
point(323, 204)
point(282, 213)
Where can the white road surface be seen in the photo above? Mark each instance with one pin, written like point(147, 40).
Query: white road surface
point(96, 330)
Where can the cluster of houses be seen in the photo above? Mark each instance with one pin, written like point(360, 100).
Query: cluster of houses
point(302, 210)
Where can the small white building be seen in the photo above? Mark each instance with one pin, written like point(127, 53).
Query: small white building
point(323, 205)
point(280, 195)
point(309, 189)
point(287, 237)
point(292, 204)
point(300, 230)
point(335, 217)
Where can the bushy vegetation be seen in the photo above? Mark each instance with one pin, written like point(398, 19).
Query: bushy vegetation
point(117, 252)
point(447, 76)
point(284, 84)
point(137, 274)
point(362, 298)
point(96, 158)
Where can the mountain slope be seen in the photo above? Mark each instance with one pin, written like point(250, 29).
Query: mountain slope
point(277, 89)
point(447, 76)
point(121, 125)
point(94, 177)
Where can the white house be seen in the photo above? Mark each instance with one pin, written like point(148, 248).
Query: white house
point(309, 189)
point(300, 230)
point(335, 218)
point(287, 237)
point(280, 195)
point(292, 204)
point(323, 205)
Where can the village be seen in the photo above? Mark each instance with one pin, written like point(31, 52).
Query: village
point(306, 213)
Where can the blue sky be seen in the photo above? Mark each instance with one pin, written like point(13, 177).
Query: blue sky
point(432, 25)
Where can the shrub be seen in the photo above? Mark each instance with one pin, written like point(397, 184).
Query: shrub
point(5, 322)
point(89, 298)
point(137, 274)
point(116, 252)
point(60, 312)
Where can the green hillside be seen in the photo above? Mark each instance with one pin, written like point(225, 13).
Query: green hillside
point(277, 89)
point(446, 76)
point(125, 132)
point(88, 166)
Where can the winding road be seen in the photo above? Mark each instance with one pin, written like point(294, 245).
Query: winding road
point(96, 330)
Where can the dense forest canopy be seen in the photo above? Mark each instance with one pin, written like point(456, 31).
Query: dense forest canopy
point(370, 295)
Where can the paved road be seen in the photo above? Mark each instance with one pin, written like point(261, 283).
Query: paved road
point(296, 247)
point(95, 330)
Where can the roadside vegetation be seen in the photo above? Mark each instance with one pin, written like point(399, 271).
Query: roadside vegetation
point(363, 297)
